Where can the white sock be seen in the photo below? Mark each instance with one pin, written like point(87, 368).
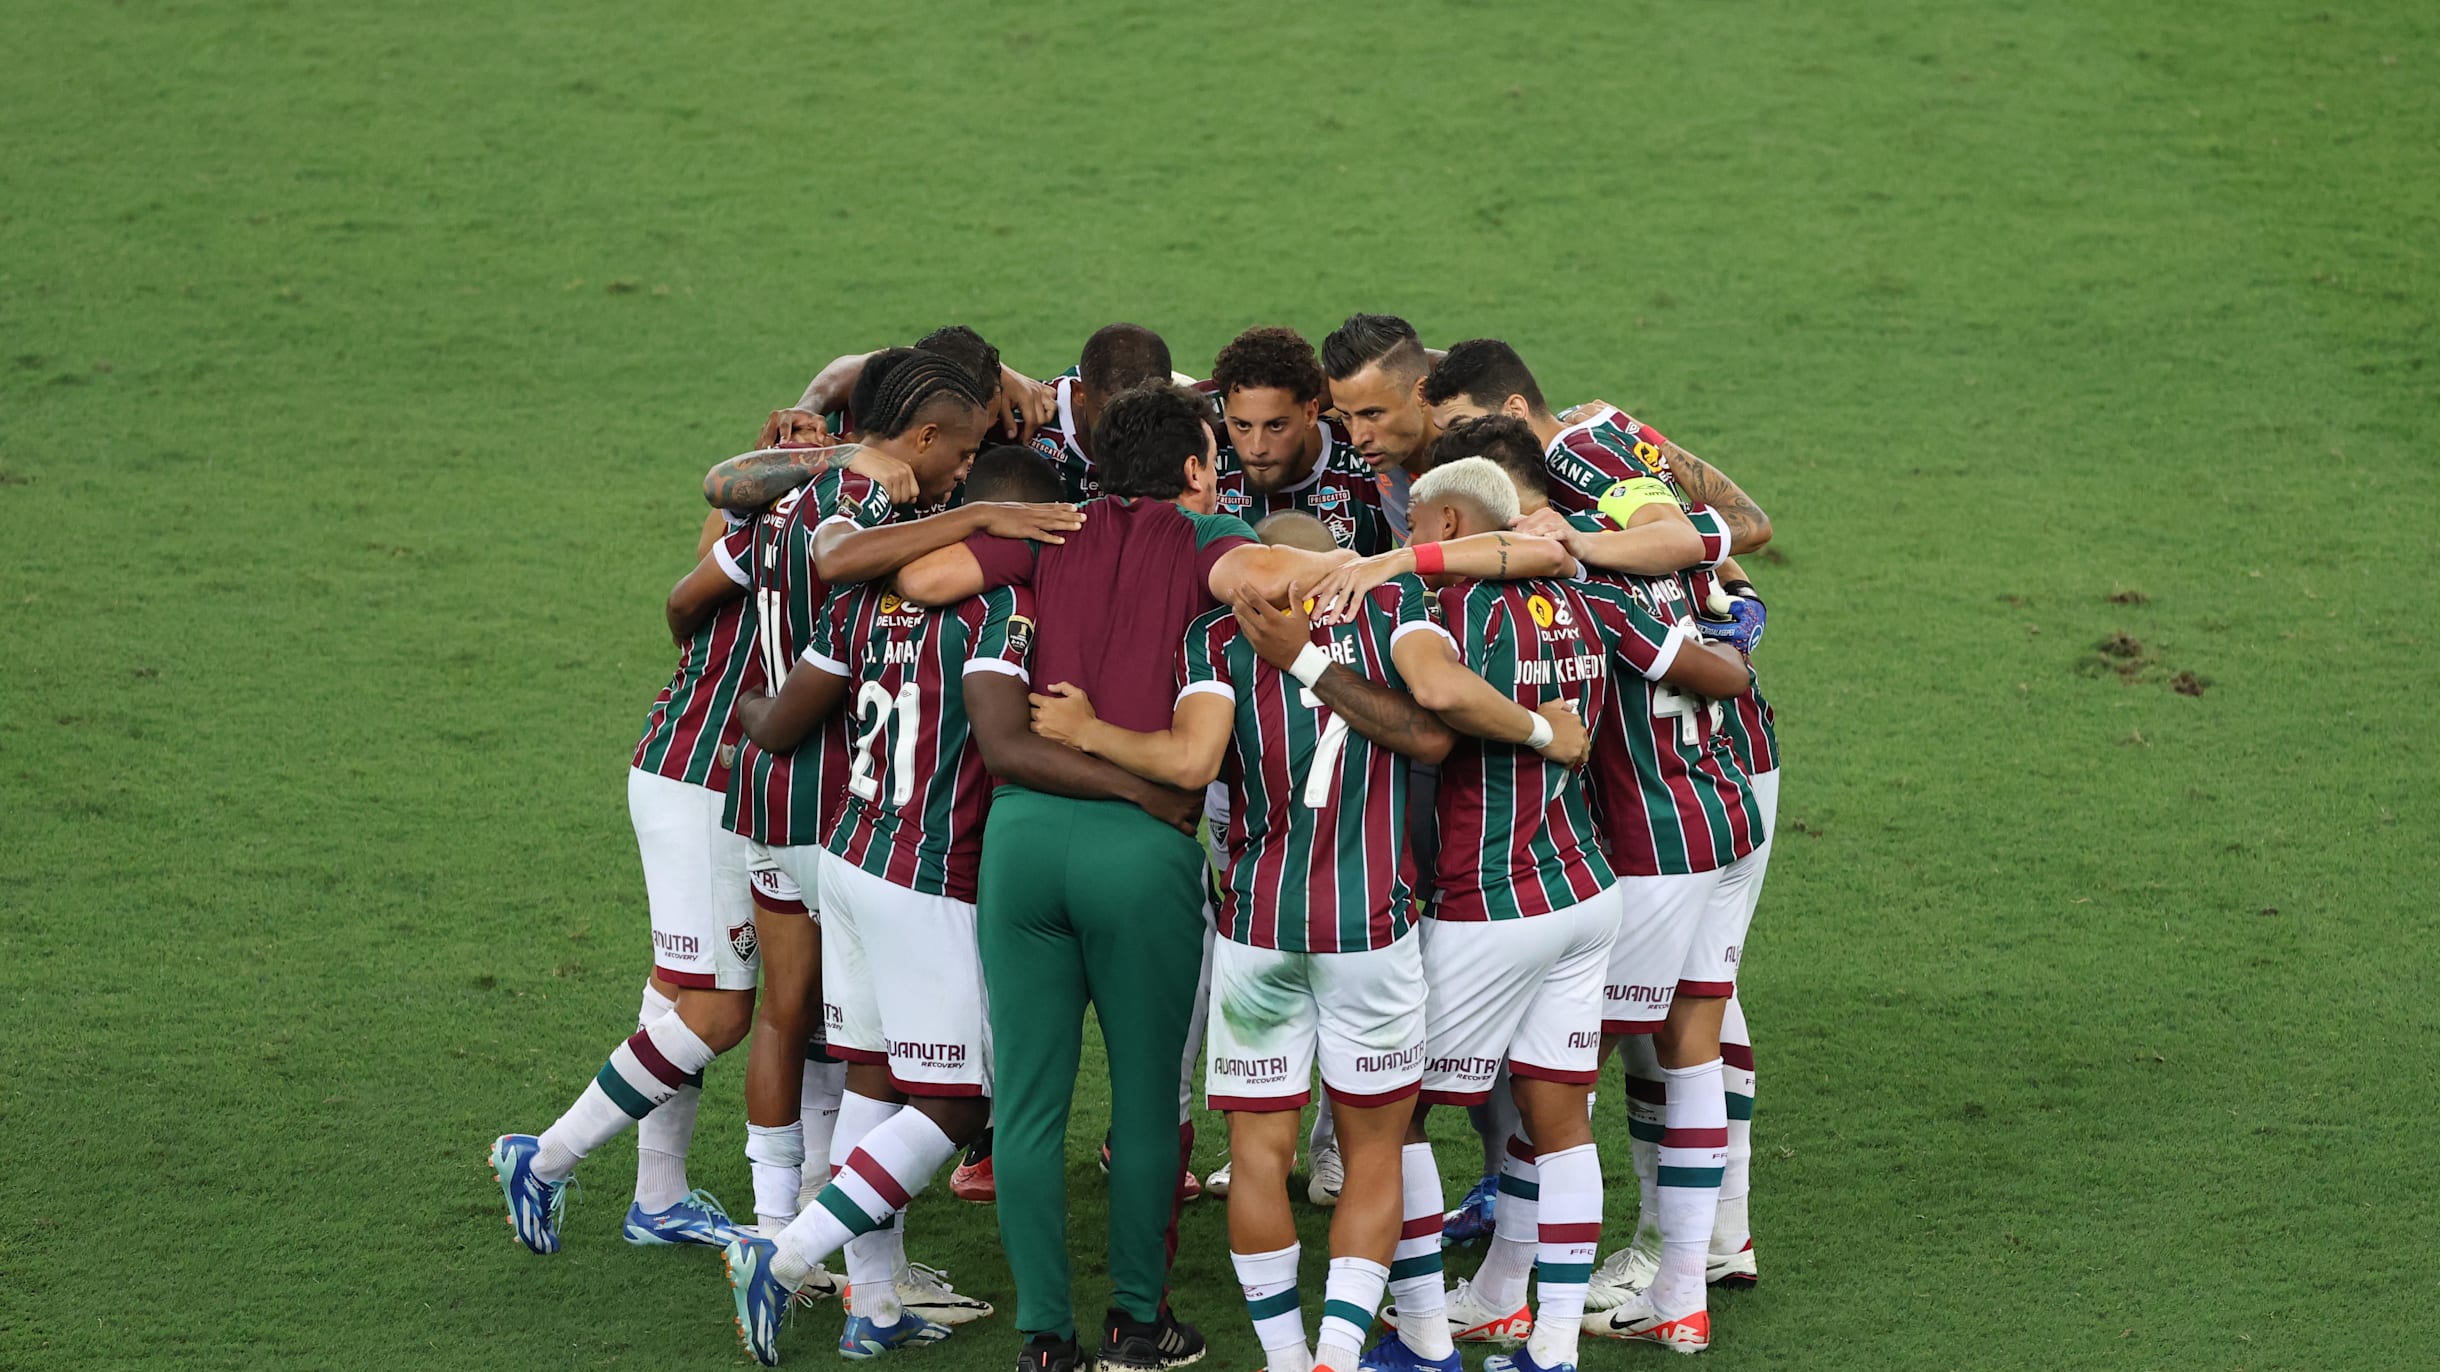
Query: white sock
point(775, 1153)
point(824, 1083)
point(1646, 1100)
point(1272, 1302)
point(1515, 1230)
point(1417, 1286)
point(662, 1137)
point(1731, 1232)
point(1693, 1152)
point(885, 1171)
point(872, 1273)
point(1570, 1229)
point(642, 1074)
point(1348, 1303)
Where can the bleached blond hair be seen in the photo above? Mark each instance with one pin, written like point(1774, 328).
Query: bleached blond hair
point(1478, 481)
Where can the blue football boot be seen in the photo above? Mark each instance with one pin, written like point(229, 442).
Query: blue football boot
point(697, 1219)
point(534, 1205)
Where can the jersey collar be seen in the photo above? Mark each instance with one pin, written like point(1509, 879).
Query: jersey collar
point(1600, 417)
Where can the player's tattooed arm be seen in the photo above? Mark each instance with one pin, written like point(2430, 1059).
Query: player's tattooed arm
point(1749, 528)
point(749, 482)
point(997, 708)
point(779, 723)
point(1186, 755)
point(1387, 716)
point(1444, 685)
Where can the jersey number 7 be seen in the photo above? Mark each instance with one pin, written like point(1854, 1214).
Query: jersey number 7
point(1322, 779)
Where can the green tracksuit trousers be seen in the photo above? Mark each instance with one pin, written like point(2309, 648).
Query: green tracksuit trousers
point(1086, 901)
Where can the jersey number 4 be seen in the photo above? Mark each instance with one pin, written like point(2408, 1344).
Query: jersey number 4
point(875, 706)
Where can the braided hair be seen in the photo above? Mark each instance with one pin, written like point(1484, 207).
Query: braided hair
point(898, 384)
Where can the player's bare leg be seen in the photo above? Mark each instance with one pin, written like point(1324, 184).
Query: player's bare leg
point(775, 1062)
point(1262, 1233)
point(1365, 1228)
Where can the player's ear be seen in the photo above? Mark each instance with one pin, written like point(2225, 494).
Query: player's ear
point(1313, 410)
point(1515, 408)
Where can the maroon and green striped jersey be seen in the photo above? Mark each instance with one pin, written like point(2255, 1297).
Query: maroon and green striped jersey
point(1317, 811)
point(1668, 793)
point(1348, 502)
point(782, 799)
point(915, 788)
point(1516, 829)
point(1601, 459)
point(1060, 444)
point(692, 733)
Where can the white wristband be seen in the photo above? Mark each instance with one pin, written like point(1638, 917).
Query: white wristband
point(1540, 737)
point(1310, 663)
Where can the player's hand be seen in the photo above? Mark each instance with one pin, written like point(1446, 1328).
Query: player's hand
point(1023, 404)
point(1741, 627)
point(1063, 715)
point(1547, 523)
point(1569, 744)
point(1180, 810)
point(1276, 635)
point(793, 428)
point(1339, 595)
point(891, 475)
point(1041, 523)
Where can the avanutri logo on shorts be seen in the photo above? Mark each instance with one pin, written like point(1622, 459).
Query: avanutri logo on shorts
point(1252, 1069)
point(929, 1054)
point(682, 945)
point(1389, 1062)
point(1640, 995)
point(1465, 1067)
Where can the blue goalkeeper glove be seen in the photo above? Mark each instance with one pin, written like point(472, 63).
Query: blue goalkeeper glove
point(1747, 615)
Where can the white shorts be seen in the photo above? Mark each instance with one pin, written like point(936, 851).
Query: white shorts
point(1276, 1016)
point(694, 880)
point(774, 889)
point(902, 983)
point(1524, 992)
point(1662, 919)
point(1741, 880)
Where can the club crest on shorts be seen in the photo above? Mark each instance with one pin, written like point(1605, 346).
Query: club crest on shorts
point(742, 941)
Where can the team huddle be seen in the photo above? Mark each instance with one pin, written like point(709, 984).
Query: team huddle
point(1456, 689)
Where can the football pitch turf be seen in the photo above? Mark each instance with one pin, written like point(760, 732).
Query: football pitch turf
point(358, 366)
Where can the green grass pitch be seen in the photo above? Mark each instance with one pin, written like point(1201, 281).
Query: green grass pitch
point(358, 364)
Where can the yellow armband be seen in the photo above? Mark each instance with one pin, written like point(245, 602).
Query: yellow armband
point(1626, 497)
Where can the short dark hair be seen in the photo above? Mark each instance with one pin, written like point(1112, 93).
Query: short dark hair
point(1368, 338)
point(967, 349)
point(1144, 437)
point(898, 384)
point(1120, 357)
point(1262, 358)
point(1504, 439)
point(1485, 371)
point(1010, 472)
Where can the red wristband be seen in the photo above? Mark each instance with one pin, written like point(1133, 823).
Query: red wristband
point(1429, 559)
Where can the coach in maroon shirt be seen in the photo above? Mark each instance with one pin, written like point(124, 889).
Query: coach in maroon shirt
point(1091, 887)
